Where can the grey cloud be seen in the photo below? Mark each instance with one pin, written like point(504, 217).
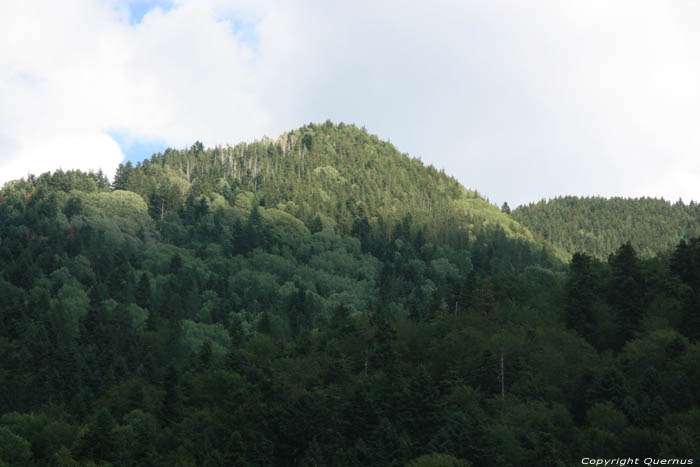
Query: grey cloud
point(520, 100)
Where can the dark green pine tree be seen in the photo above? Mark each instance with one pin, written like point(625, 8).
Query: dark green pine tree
point(341, 321)
point(361, 229)
point(435, 306)
point(486, 375)
point(121, 178)
point(626, 290)
point(581, 290)
point(505, 208)
point(690, 325)
point(384, 355)
point(467, 293)
point(99, 443)
point(74, 207)
point(265, 326)
point(685, 263)
point(173, 405)
point(422, 407)
point(175, 264)
point(316, 224)
point(254, 231)
point(238, 239)
point(299, 311)
point(607, 387)
point(235, 358)
point(204, 357)
point(142, 295)
point(488, 303)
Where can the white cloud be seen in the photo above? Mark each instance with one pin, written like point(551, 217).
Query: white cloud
point(74, 71)
point(520, 100)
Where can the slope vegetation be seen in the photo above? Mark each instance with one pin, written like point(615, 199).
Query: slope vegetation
point(330, 171)
point(597, 226)
point(324, 300)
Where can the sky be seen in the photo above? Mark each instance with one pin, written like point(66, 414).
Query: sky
point(520, 100)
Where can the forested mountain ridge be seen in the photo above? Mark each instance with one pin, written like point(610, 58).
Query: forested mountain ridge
point(322, 171)
point(598, 226)
point(265, 309)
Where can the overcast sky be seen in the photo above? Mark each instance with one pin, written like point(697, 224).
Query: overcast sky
point(520, 100)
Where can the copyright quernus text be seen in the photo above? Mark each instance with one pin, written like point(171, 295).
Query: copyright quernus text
point(620, 461)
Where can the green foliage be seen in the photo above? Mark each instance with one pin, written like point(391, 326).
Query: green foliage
point(438, 460)
point(194, 335)
point(14, 450)
point(597, 226)
point(322, 299)
point(118, 203)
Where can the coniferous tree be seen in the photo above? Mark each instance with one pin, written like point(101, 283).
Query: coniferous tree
point(435, 306)
point(142, 295)
point(626, 293)
point(121, 178)
point(254, 234)
point(468, 292)
point(582, 290)
point(505, 208)
point(685, 263)
point(173, 405)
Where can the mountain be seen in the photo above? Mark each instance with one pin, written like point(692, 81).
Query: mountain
point(336, 174)
point(334, 171)
point(597, 226)
point(322, 299)
point(269, 235)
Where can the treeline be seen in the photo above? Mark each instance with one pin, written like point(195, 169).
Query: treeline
point(338, 171)
point(597, 226)
point(171, 326)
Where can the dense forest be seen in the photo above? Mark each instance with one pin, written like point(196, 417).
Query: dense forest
point(597, 226)
point(322, 299)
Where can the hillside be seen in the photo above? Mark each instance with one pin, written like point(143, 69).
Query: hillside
point(337, 173)
point(597, 226)
point(322, 299)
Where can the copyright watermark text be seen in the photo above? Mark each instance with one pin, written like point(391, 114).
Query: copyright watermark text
point(621, 461)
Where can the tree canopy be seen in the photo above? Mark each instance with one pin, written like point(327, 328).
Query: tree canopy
point(322, 299)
